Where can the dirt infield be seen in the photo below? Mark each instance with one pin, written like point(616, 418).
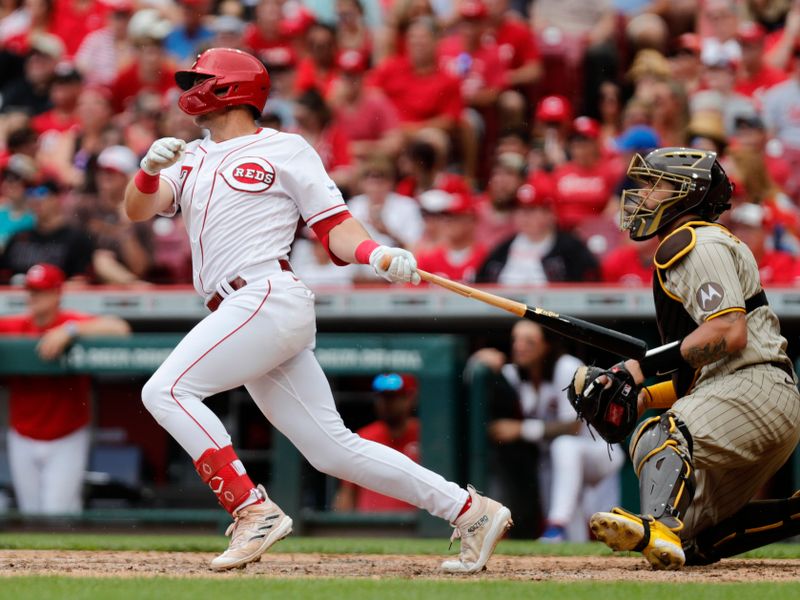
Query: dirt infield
point(524, 568)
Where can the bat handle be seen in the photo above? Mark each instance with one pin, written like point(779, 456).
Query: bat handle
point(386, 261)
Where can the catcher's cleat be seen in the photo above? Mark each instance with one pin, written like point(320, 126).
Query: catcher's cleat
point(621, 530)
point(255, 529)
point(480, 529)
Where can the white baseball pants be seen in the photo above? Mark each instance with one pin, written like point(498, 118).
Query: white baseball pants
point(48, 474)
point(578, 463)
point(261, 337)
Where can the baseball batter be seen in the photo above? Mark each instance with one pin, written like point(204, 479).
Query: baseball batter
point(242, 190)
point(733, 413)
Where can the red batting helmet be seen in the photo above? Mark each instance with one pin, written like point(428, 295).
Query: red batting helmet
point(223, 77)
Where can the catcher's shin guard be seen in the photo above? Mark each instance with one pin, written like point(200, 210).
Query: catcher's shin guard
point(757, 524)
point(661, 450)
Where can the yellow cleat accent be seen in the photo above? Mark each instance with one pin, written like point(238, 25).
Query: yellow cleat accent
point(622, 530)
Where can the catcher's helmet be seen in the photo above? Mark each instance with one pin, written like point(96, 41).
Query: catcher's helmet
point(679, 181)
point(220, 78)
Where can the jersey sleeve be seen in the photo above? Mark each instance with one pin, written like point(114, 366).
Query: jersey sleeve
point(312, 190)
point(172, 176)
point(706, 281)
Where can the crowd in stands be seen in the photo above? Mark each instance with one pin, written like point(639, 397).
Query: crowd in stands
point(490, 137)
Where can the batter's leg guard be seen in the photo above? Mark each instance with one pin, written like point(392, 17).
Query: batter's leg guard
point(757, 524)
point(231, 487)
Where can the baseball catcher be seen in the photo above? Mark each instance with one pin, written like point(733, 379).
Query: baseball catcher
point(729, 389)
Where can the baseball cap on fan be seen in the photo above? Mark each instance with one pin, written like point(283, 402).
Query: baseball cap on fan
point(553, 109)
point(120, 159)
point(472, 10)
point(533, 196)
point(44, 276)
point(352, 62)
point(394, 382)
point(450, 197)
point(585, 127)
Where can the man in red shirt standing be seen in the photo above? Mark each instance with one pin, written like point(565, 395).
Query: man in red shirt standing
point(755, 76)
point(423, 94)
point(48, 438)
point(395, 397)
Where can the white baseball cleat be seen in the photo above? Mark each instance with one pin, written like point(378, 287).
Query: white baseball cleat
point(480, 529)
point(255, 529)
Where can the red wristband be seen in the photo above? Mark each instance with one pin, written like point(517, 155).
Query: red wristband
point(146, 183)
point(364, 249)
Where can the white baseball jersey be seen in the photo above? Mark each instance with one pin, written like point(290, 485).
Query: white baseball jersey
point(241, 200)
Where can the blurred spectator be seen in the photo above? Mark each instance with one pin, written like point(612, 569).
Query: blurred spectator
point(18, 173)
point(649, 68)
point(188, 39)
point(423, 94)
point(754, 185)
point(367, 117)
point(122, 249)
point(34, 18)
point(460, 253)
point(687, 68)
point(717, 26)
point(318, 70)
point(647, 30)
point(352, 32)
point(781, 113)
point(583, 186)
point(609, 110)
point(104, 52)
point(539, 252)
point(395, 401)
point(31, 91)
point(755, 76)
point(518, 51)
point(315, 123)
point(264, 32)
point(576, 39)
point(279, 110)
point(670, 113)
point(52, 241)
point(422, 164)
point(228, 32)
point(784, 41)
point(720, 79)
point(74, 19)
point(553, 120)
point(150, 70)
point(49, 416)
point(495, 212)
point(537, 443)
point(749, 224)
point(630, 263)
point(389, 217)
point(392, 40)
point(72, 155)
point(751, 135)
point(64, 91)
point(706, 131)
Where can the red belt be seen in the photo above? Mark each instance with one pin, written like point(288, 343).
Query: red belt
point(237, 284)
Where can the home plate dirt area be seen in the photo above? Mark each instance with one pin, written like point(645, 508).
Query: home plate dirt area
point(380, 566)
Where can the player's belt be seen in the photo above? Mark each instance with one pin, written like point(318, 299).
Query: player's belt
point(238, 283)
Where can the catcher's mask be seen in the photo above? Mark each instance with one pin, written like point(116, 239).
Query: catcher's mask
point(678, 181)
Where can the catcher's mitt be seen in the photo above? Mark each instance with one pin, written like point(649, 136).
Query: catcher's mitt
point(611, 410)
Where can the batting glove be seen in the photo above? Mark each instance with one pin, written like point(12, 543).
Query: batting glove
point(164, 153)
point(401, 269)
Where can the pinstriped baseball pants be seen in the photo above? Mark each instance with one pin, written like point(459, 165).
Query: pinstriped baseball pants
point(744, 427)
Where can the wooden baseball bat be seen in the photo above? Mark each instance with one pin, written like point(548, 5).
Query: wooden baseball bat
point(572, 327)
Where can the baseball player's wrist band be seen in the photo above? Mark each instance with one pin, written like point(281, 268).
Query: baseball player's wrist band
point(146, 183)
point(663, 360)
point(364, 250)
